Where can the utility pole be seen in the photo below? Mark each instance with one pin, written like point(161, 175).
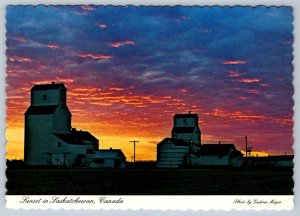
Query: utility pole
point(248, 149)
point(246, 145)
point(134, 141)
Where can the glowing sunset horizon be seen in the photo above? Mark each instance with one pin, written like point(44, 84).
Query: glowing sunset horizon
point(128, 70)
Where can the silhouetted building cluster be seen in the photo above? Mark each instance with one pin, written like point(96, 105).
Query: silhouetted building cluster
point(51, 141)
point(184, 148)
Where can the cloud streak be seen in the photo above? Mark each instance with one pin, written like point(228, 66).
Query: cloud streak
point(118, 44)
point(95, 56)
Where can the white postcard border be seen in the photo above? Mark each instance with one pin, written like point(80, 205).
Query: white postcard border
point(12, 201)
point(223, 202)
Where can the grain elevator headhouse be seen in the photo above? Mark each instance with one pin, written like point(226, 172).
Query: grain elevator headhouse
point(186, 128)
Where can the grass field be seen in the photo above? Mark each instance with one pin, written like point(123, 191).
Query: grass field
point(149, 182)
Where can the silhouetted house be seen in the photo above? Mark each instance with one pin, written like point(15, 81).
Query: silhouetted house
point(185, 149)
point(71, 146)
point(108, 158)
point(216, 155)
point(270, 161)
point(49, 137)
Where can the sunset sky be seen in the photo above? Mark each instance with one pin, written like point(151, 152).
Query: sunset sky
point(128, 70)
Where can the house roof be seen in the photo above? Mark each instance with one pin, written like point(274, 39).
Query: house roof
point(216, 149)
point(77, 137)
point(41, 110)
point(177, 142)
point(188, 115)
point(44, 110)
point(183, 130)
point(48, 86)
point(108, 153)
point(83, 135)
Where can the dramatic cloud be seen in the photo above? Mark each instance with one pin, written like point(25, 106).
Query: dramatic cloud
point(128, 70)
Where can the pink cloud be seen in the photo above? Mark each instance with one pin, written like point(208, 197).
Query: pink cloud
point(93, 56)
point(234, 62)
point(102, 25)
point(183, 90)
point(19, 59)
point(87, 8)
point(117, 44)
point(18, 38)
point(234, 74)
point(253, 91)
point(52, 46)
point(264, 84)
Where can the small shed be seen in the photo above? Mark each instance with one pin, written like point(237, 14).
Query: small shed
point(108, 158)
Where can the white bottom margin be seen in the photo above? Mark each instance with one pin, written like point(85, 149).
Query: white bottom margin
point(175, 202)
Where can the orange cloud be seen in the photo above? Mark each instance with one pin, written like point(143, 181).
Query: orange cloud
point(19, 59)
point(234, 62)
point(89, 55)
point(248, 80)
point(116, 89)
point(118, 44)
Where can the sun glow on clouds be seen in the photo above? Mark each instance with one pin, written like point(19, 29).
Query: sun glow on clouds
point(135, 94)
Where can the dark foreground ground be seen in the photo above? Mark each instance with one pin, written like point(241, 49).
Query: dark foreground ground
point(149, 182)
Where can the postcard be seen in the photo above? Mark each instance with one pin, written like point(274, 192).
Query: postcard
point(149, 107)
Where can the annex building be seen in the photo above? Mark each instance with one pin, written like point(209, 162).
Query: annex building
point(50, 139)
point(184, 148)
